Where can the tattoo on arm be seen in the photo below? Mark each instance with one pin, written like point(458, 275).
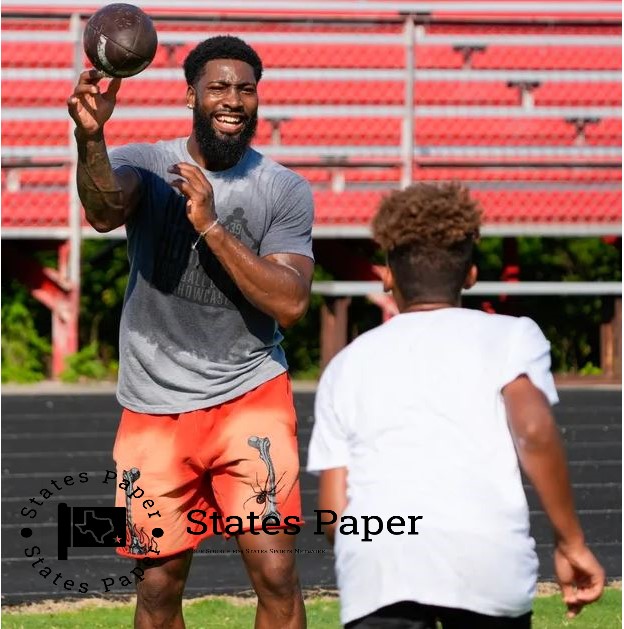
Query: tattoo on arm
point(107, 204)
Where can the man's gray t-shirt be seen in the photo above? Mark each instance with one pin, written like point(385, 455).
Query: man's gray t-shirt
point(189, 339)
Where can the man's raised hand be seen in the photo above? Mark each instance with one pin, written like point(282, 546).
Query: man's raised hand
point(89, 106)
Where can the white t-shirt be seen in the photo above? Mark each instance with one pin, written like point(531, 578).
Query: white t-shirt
point(414, 410)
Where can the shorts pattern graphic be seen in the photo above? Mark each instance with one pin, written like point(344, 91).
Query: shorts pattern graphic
point(140, 542)
point(235, 461)
point(267, 494)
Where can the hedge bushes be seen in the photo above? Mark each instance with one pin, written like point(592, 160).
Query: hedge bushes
point(571, 323)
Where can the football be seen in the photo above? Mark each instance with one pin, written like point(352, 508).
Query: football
point(120, 40)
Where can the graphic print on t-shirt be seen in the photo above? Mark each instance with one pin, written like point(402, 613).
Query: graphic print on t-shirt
point(197, 275)
point(237, 224)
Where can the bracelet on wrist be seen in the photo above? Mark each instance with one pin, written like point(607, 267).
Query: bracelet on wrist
point(202, 234)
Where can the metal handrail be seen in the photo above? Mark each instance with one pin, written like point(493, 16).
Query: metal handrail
point(344, 289)
point(351, 74)
point(319, 232)
point(521, 152)
point(352, 39)
point(352, 8)
point(335, 111)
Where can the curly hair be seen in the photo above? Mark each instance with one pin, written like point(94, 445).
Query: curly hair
point(428, 231)
point(220, 47)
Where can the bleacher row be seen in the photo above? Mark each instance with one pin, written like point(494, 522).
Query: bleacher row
point(60, 55)
point(273, 92)
point(352, 206)
point(339, 131)
point(528, 115)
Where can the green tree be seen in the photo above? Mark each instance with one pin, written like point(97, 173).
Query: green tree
point(570, 323)
point(104, 278)
point(25, 351)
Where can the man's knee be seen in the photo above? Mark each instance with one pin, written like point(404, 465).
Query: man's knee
point(277, 580)
point(159, 589)
point(162, 586)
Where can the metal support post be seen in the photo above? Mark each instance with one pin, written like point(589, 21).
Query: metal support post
point(334, 322)
point(66, 308)
point(408, 116)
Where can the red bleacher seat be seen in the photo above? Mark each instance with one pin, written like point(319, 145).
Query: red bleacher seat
point(578, 94)
point(337, 131)
point(25, 23)
point(25, 93)
point(500, 206)
point(50, 93)
point(28, 24)
point(35, 132)
point(608, 131)
point(56, 55)
point(506, 131)
point(340, 131)
point(386, 93)
point(550, 206)
point(345, 56)
point(35, 178)
point(392, 174)
point(548, 57)
point(357, 207)
point(118, 131)
point(507, 28)
point(36, 54)
point(35, 209)
point(41, 93)
point(40, 178)
point(440, 131)
point(315, 176)
point(244, 28)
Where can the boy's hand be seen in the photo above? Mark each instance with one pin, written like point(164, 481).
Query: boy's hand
point(579, 575)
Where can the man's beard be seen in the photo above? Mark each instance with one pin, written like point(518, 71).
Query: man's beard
point(221, 152)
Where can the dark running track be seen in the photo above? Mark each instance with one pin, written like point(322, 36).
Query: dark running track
point(49, 437)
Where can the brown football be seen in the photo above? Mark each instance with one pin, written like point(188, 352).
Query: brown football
point(120, 40)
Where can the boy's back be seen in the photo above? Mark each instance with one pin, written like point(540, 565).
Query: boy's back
point(437, 445)
point(427, 420)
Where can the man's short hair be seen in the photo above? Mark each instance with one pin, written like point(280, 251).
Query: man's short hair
point(428, 231)
point(220, 47)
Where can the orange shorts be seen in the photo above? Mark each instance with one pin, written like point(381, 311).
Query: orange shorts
point(225, 470)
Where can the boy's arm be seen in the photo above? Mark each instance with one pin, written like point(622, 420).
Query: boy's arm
point(542, 458)
point(333, 496)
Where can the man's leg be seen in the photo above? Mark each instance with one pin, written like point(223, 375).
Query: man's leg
point(254, 466)
point(274, 578)
point(159, 592)
point(158, 483)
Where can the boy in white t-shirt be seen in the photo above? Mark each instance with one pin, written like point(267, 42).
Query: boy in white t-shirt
point(420, 425)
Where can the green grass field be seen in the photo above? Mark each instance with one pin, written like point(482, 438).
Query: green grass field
point(227, 613)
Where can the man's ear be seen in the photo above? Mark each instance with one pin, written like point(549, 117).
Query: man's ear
point(471, 278)
point(386, 278)
point(190, 97)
